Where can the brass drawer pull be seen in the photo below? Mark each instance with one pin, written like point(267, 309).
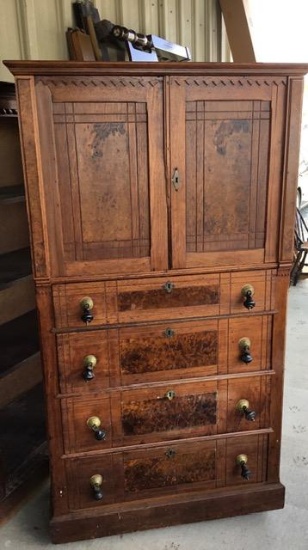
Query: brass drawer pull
point(86, 305)
point(242, 460)
point(248, 292)
point(94, 424)
point(244, 345)
point(243, 407)
point(96, 482)
point(89, 362)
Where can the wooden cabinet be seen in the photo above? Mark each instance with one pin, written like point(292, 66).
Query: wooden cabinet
point(161, 200)
point(23, 457)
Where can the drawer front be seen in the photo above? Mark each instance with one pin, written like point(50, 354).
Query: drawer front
point(83, 361)
point(166, 470)
point(79, 436)
point(171, 411)
point(166, 412)
point(262, 283)
point(248, 403)
point(161, 298)
point(174, 411)
point(254, 449)
point(145, 354)
point(249, 343)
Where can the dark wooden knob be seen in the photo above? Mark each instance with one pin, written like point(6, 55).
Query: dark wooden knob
point(96, 482)
point(248, 292)
point(243, 407)
point(241, 460)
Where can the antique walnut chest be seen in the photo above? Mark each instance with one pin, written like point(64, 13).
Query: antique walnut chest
point(161, 203)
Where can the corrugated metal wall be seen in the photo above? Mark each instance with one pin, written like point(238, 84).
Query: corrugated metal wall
point(35, 29)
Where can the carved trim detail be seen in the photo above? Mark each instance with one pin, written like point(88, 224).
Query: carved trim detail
point(222, 83)
point(284, 271)
point(104, 82)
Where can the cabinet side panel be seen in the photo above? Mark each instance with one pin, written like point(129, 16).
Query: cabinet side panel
point(33, 176)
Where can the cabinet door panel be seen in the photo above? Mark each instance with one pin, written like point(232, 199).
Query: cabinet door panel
point(108, 182)
point(219, 210)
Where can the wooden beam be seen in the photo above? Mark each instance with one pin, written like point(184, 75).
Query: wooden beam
point(236, 20)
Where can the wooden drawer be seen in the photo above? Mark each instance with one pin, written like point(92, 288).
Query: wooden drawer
point(78, 436)
point(133, 355)
point(161, 298)
point(166, 470)
point(254, 390)
point(144, 415)
point(166, 412)
point(75, 363)
point(258, 330)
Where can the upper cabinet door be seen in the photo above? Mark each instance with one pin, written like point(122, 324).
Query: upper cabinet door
point(226, 150)
point(102, 162)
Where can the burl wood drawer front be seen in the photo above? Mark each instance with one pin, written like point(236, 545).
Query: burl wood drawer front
point(169, 351)
point(150, 353)
point(170, 411)
point(173, 411)
point(162, 298)
point(166, 470)
point(165, 298)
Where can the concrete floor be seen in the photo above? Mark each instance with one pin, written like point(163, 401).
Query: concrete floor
point(285, 529)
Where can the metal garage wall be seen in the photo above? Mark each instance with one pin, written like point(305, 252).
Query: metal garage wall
point(35, 29)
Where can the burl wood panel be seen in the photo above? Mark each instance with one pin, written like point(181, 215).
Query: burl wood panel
point(114, 217)
point(141, 417)
point(167, 351)
point(217, 132)
point(160, 298)
point(170, 297)
point(147, 414)
point(103, 142)
point(170, 467)
point(181, 351)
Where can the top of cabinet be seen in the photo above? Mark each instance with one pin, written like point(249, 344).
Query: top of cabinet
point(140, 68)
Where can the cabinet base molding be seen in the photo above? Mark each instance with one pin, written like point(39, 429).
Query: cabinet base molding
point(165, 512)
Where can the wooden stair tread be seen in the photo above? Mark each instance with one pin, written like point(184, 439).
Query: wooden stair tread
point(14, 265)
point(12, 193)
point(18, 340)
